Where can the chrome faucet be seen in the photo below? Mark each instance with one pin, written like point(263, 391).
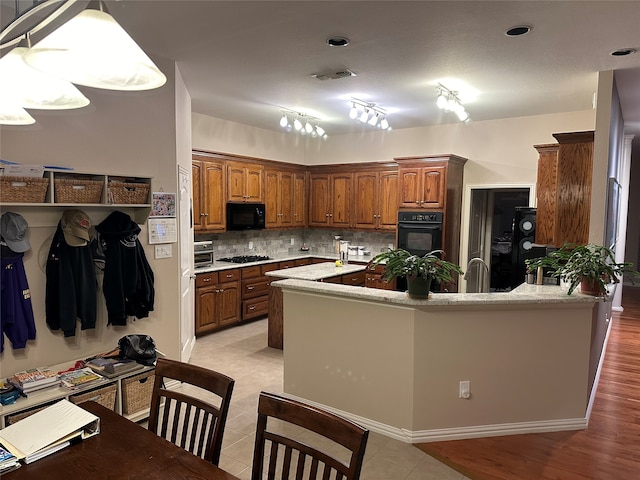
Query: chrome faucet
point(484, 284)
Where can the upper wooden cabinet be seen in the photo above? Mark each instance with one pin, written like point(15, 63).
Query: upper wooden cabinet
point(423, 186)
point(330, 198)
point(564, 189)
point(279, 198)
point(376, 199)
point(300, 200)
point(208, 177)
point(245, 182)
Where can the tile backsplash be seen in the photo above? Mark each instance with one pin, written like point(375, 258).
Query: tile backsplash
point(276, 243)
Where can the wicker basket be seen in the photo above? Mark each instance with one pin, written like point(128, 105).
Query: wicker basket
point(105, 396)
point(136, 392)
point(128, 193)
point(77, 190)
point(23, 189)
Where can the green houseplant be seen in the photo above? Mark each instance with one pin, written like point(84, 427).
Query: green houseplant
point(591, 266)
point(420, 271)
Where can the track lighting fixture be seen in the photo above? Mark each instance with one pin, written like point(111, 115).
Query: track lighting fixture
point(302, 123)
point(368, 113)
point(449, 101)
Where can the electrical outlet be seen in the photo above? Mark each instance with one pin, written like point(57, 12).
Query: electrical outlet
point(390, 246)
point(293, 241)
point(250, 245)
point(465, 389)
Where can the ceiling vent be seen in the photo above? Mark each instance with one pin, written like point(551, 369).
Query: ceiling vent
point(334, 75)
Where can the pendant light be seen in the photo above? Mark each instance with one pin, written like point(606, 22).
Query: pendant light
point(92, 49)
point(31, 88)
point(13, 114)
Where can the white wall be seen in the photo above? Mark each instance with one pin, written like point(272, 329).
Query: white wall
point(128, 133)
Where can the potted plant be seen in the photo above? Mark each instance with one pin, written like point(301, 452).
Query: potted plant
point(419, 270)
point(591, 266)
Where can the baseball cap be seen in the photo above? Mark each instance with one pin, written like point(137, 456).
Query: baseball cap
point(75, 227)
point(13, 228)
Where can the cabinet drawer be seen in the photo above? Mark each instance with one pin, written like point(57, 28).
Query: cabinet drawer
point(269, 267)
point(229, 275)
point(302, 262)
point(251, 272)
point(206, 279)
point(336, 279)
point(255, 287)
point(288, 264)
point(356, 279)
point(255, 307)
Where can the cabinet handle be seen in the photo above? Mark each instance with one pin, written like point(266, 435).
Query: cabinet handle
point(252, 307)
point(221, 290)
point(326, 214)
point(202, 214)
point(229, 275)
point(250, 287)
point(217, 290)
point(208, 279)
point(331, 214)
point(206, 214)
point(417, 202)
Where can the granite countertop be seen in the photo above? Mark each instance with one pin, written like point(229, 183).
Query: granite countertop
point(535, 296)
point(316, 271)
point(218, 265)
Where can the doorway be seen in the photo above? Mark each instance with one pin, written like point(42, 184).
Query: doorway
point(490, 236)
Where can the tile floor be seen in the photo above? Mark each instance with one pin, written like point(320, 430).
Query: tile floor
point(242, 354)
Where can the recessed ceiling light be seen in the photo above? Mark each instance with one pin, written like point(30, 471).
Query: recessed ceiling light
point(338, 41)
point(623, 52)
point(518, 30)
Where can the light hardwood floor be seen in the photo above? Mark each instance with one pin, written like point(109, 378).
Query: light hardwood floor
point(609, 449)
point(241, 353)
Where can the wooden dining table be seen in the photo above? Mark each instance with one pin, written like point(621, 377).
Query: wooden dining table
point(123, 450)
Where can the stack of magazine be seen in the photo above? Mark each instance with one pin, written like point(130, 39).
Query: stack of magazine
point(81, 377)
point(34, 379)
point(8, 461)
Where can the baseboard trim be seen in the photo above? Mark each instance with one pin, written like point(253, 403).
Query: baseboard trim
point(457, 433)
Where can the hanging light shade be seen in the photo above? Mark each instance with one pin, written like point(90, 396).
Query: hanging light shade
point(284, 121)
point(33, 89)
point(353, 113)
point(13, 114)
point(92, 49)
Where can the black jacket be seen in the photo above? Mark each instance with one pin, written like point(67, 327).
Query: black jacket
point(128, 278)
point(71, 288)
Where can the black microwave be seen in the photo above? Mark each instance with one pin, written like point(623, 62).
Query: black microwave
point(245, 216)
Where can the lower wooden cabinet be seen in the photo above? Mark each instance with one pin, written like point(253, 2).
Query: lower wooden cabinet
point(373, 279)
point(217, 300)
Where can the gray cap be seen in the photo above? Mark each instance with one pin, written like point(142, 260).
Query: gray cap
point(13, 228)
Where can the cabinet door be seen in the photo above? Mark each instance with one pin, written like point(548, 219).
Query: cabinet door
point(366, 200)
point(300, 200)
point(319, 205)
point(205, 309)
point(214, 198)
point(341, 200)
point(410, 187)
point(433, 187)
point(286, 191)
point(228, 308)
point(388, 200)
point(196, 184)
point(235, 182)
point(272, 194)
point(253, 183)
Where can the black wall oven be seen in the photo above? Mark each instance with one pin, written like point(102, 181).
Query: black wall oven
point(419, 232)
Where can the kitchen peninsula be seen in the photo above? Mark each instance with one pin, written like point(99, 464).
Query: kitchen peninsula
point(395, 364)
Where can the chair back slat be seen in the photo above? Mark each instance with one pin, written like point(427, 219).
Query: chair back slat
point(288, 456)
point(191, 423)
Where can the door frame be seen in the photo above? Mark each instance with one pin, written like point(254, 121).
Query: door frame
point(465, 226)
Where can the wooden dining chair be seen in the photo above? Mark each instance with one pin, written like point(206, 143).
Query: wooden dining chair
point(195, 423)
point(289, 457)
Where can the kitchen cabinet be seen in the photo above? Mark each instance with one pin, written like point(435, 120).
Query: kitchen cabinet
point(217, 300)
point(422, 187)
point(208, 178)
point(245, 182)
point(435, 183)
point(255, 290)
point(330, 199)
point(279, 198)
point(564, 189)
point(376, 199)
point(373, 279)
point(300, 200)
